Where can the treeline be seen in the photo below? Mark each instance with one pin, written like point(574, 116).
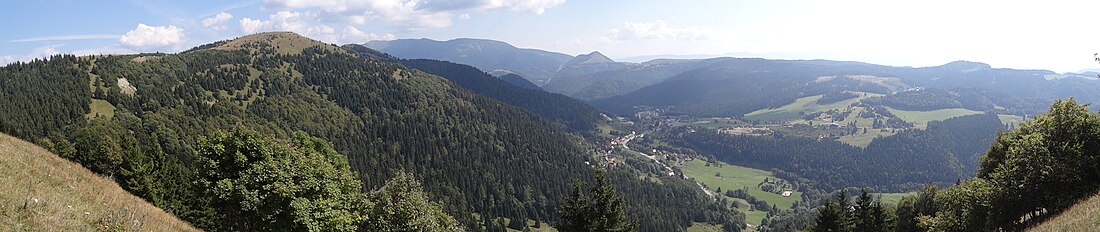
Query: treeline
point(834, 97)
point(925, 99)
point(942, 154)
point(672, 199)
point(42, 96)
point(755, 203)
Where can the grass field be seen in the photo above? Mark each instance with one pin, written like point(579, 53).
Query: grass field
point(754, 217)
point(862, 140)
point(101, 108)
point(920, 119)
point(736, 177)
point(284, 42)
point(40, 191)
point(604, 128)
point(893, 198)
point(704, 227)
point(714, 123)
point(786, 112)
point(806, 104)
point(1011, 120)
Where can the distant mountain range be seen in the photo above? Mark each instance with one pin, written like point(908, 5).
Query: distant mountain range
point(536, 65)
point(725, 86)
point(738, 86)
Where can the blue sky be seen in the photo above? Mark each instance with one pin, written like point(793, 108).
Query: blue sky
point(1056, 35)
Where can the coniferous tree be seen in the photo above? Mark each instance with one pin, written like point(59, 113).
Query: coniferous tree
point(868, 214)
point(845, 206)
point(829, 218)
point(603, 211)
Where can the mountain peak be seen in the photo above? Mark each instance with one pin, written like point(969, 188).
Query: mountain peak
point(594, 57)
point(966, 66)
point(283, 42)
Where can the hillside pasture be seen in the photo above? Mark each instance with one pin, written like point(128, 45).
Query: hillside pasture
point(920, 119)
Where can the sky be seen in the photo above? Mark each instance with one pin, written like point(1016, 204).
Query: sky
point(1050, 34)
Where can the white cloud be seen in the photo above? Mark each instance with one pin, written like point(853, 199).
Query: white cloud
point(152, 37)
point(533, 6)
point(5, 60)
point(250, 26)
point(409, 14)
point(658, 30)
point(217, 22)
point(402, 13)
point(306, 24)
point(310, 25)
point(354, 35)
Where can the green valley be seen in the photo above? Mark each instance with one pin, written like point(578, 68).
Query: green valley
point(722, 176)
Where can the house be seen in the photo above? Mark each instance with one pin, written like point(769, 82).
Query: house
point(786, 193)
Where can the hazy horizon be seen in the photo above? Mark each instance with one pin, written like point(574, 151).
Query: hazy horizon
point(1019, 35)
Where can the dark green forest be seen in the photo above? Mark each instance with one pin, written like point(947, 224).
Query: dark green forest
point(573, 113)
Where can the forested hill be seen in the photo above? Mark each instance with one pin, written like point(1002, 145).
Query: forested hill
point(140, 117)
point(573, 113)
point(737, 86)
point(576, 115)
point(518, 80)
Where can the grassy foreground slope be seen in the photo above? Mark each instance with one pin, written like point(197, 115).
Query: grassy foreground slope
point(1083, 216)
point(40, 191)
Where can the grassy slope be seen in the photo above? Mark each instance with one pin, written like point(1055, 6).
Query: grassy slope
point(809, 105)
point(101, 108)
point(1012, 120)
point(920, 119)
point(40, 191)
point(704, 227)
point(805, 104)
point(736, 177)
point(1084, 216)
point(893, 198)
point(862, 140)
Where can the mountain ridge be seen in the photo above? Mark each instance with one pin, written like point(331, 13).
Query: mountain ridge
point(537, 66)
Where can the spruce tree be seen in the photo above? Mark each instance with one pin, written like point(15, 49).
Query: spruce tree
point(829, 218)
point(602, 212)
